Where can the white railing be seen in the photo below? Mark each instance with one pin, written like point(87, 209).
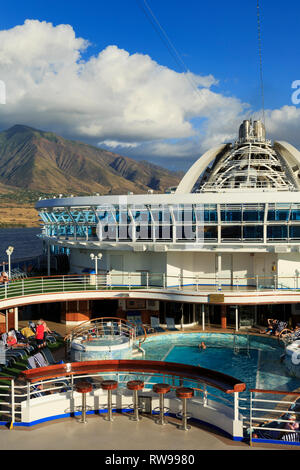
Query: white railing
point(137, 280)
point(23, 396)
point(263, 413)
point(269, 417)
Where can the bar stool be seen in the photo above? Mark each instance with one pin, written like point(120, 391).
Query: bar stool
point(184, 393)
point(109, 385)
point(161, 389)
point(135, 385)
point(83, 388)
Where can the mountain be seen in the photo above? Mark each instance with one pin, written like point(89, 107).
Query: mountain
point(43, 161)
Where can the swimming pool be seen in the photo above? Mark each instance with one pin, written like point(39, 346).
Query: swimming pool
point(252, 359)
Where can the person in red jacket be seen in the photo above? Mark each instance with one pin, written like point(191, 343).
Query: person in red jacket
point(11, 339)
point(39, 334)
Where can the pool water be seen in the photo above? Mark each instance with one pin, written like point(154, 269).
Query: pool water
point(251, 359)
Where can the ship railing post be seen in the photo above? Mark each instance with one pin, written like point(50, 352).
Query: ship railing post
point(204, 395)
point(28, 393)
point(12, 402)
point(236, 406)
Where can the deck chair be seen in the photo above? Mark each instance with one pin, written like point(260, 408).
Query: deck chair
point(171, 324)
point(31, 364)
point(291, 437)
point(49, 357)
point(40, 359)
point(270, 434)
point(155, 324)
point(137, 321)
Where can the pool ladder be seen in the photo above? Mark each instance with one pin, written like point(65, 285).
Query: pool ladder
point(237, 349)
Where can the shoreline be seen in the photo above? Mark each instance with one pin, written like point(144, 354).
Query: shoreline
point(17, 225)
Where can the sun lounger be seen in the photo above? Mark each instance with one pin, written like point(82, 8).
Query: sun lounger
point(49, 357)
point(155, 324)
point(171, 324)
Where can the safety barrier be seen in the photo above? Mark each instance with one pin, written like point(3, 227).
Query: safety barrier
point(49, 393)
point(133, 281)
point(274, 417)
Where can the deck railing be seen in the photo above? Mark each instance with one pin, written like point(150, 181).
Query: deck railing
point(147, 281)
point(270, 412)
point(263, 414)
point(45, 389)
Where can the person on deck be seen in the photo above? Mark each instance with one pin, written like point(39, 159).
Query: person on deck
point(39, 334)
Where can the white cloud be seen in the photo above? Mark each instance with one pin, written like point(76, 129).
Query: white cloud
point(124, 101)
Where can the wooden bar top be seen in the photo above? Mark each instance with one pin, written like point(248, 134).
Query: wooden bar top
point(218, 380)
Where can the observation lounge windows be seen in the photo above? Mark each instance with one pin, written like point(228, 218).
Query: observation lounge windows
point(277, 232)
point(279, 212)
point(295, 232)
point(233, 232)
point(207, 232)
point(253, 215)
point(253, 232)
point(163, 232)
point(185, 232)
point(295, 214)
point(232, 213)
point(206, 213)
point(144, 232)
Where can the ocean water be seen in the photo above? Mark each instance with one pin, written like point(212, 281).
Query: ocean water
point(24, 240)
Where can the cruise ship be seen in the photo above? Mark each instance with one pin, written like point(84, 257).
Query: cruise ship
point(223, 247)
point(181, 307)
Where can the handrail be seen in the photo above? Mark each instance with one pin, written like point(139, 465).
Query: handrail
point(24, 288)
point(80, 328)
point(274, 392)
point(215, 379)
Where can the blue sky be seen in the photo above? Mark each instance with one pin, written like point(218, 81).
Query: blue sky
point(217, 39)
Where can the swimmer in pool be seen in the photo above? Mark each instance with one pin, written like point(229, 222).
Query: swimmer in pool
point(202, 345)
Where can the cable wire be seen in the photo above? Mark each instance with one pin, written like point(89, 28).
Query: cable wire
point(163, 35)
point(260, 61)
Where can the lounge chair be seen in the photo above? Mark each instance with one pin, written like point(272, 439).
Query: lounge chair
point(31, 364)
point(155, 325)
point(49, 357)
point(40, 359)
point(171, 324)
point(137, 322)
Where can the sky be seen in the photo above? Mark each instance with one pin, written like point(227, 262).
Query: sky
point(156, 80)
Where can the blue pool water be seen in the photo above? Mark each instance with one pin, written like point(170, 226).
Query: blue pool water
point(251, 359)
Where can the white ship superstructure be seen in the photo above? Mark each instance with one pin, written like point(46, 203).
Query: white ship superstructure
point(232, 222)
